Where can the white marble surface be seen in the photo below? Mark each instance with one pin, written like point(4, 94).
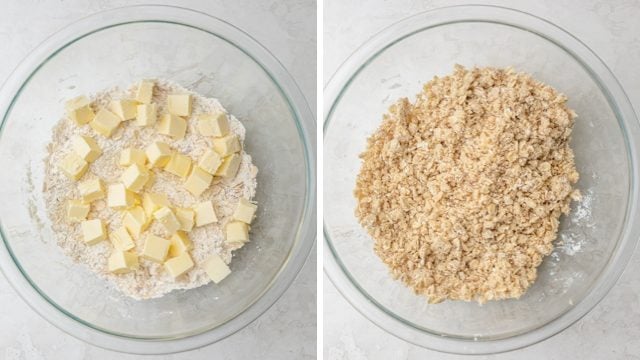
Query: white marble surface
point(288, 329)
point(612, 329)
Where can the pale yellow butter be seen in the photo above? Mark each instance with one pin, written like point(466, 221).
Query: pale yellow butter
point(144, 93)
point(179, 265)
point(135, 177)
point(210, 161)
point(178, 165)
point(79, 110)
point(105, 122)
point(244, 211)
point(205, 214)
point(198, 181)
point(215, 124)
point(158, 153)
point(77, 210)
point(226, 145)
point(135, 221)
point(180, 243)
point(172, 125)
point(119, 197)
point(73, 166)
point(216, 268)
point(131, 156)
point(155, 248)
point(179, 104)
point(167, 219)
point(91, 190)
point(86, 147)
point(125, 109)
point(93, 231)
point(147, 115)
point(154, 201)
point(122, 262)
point(186, 218)
point(237, 231)
point(121, 239)
point(229, 167)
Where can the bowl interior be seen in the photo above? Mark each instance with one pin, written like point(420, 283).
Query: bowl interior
point(198, 60)
point(588, 235)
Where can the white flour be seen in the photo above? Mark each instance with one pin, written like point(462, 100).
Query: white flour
point(150, 280)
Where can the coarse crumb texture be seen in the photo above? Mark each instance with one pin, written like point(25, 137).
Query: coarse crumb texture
point(150, 280)
point(462, 190)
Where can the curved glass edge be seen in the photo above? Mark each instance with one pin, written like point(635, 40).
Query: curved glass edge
point(349, 70)
point(304, 123)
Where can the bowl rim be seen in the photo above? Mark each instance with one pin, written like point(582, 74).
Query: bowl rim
point(617, 99)
point(304, 121)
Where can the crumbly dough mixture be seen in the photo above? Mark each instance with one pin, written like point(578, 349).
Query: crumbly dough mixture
point(150, 280)
point(462, 190)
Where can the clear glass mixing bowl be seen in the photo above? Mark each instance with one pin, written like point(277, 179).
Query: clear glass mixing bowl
point(596, 240)
point(118, 47)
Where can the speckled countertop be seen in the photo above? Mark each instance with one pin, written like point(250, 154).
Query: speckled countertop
point(288, 329)
point(612, 330)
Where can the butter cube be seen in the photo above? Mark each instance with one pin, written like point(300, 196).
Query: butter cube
point(121, 239)
point(178, 165)
point(135, 221)
point(73, 166)
point(125, 109)
point(79, 110)
point(226, 145)
point(179, 265)
point(167, 219)
point(216, 268)
point(153, 201)
point(122, 262)
point(180, 244)
point(93, 231)
point(213, 124)
point(132, 156)
point(105, 122)
point(205, 214)
point(147, 114)
point(179, 104)
point(245, 211)
point(198, 181)
point(119, 197)
point(172, 125)
point(158, 153)
point(86, 148)
point(91, 190)
point(135, 177)
point(77, 210)
point(186, 218)
point(155, 249)
point(237, 231)
point(144, 93)
point(229, 167)
point(210, 162)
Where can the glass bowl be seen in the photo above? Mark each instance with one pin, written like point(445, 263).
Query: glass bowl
point(202, 53)
point(595, 241)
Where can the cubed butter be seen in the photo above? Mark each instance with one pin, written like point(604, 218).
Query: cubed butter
point(105, 122)
point(226, 145)
point(178, 165)
point(205, 214)
point(73, 166)
point(119, 197)
point(216, 268)
point(86, 148)
point(158, 153)
point(237, 231)
point(245, 211)
point(210, 161)
point(179, 265)
point(172, 125)
point(131, 156)
point(154, 201)
point(147, 115)
point(91, 190)
point(135, 177)
point(144, 93)
point(186, 218)
point(167, 219)
point(125, 109)
point(122, 262)
point(215, 124)
point(155, 248)
point(77, 210)
point(93, 231)
point(135, 221)
point(229, 167)
point(198, 181)
point(79, 110)
point(179, 104)
point(121, 239)
point(180, 243)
